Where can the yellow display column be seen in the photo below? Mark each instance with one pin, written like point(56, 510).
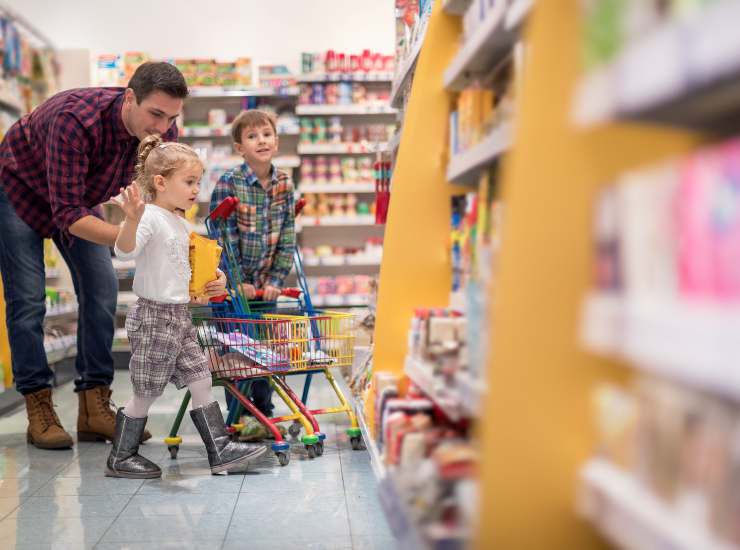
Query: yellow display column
point(537, 427)
point(416, 267)
point(4, 345)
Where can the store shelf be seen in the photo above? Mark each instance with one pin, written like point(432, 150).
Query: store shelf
point(455, 7)
point(56, 355)
point(692, 343)
point(344, 110)
point(53, 272)
point(287, 162)
point(517, 14)
point(397, 513)
point(341, 261)
point(340, 148)
point(337, 188)
point(406, 68)
point(376, 460)
point(337, 300)
point(395, 142)
point(464, 167)
point(237, 91)
point(10, 103)
point(223, 132)
point(335, 221)
point(421, 376)
point(632, 517)
point(684, 73)
point(347, 77)
point(471, 393)
point(61, 311)
point(121, 348)
point(489, 44)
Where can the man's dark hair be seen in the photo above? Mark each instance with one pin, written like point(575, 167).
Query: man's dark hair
point(158, 76)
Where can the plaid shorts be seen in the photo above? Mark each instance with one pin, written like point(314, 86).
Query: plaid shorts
point(164, 347)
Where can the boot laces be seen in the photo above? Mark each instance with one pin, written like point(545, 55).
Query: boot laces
point(47, 414)
point(107, 405)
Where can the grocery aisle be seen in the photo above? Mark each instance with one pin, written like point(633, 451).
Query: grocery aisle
point(63, 496)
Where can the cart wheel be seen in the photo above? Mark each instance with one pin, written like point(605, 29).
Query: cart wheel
point(319, 448)
point(356, 443)
point(311, 451)
point(294, 430)
point(283, 458)
point(173, 451)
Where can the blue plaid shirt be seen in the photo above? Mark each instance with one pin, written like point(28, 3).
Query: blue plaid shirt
point(262, 231)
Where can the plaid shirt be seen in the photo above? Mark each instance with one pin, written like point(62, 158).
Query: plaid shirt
point(68, 156)
point(262, 234)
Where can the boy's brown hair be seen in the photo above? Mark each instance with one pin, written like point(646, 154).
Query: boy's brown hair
point(253, 118)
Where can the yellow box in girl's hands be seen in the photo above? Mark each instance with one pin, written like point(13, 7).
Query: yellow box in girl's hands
point(205, 255)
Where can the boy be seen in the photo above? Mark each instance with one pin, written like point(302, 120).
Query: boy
point(262, 233)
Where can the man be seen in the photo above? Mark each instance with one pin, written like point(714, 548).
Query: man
point(71, 154)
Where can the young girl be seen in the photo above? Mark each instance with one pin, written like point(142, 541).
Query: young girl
point(164, 345)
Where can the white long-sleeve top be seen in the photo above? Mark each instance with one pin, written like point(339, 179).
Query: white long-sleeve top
point(162, 257)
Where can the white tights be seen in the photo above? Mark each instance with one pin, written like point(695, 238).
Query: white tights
point(200, 392)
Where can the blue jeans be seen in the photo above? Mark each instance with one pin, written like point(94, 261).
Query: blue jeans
point(24, 282)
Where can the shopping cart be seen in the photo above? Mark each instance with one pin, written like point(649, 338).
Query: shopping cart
point(347, 321)
point(242, 345)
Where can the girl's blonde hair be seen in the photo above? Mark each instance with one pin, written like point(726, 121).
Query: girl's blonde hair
point(160, 158)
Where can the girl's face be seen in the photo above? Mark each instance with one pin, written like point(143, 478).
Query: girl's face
point(179, 189)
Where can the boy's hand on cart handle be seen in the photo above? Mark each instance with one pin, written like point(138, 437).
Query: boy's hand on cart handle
point(263, 294)
point(270, 293)
point(131, 203)
point(217, 287)
point(249, 291)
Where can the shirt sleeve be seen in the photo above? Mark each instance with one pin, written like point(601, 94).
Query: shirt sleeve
point(225, 188)
point(283, 262)
point(144, 232)
point(66, 172)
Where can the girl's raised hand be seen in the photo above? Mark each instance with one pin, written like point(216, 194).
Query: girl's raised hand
point(131, 202)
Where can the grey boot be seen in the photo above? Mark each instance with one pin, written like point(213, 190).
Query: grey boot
point(223, 453)
point(124, 460)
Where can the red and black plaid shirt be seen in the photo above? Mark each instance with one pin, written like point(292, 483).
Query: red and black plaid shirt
point(68, 156)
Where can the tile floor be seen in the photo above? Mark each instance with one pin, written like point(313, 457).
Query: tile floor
point(62, 500)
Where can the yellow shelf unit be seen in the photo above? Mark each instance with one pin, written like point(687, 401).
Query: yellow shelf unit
point(535, 430)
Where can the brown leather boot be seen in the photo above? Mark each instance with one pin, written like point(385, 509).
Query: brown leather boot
point(44, 429)
point(96, 416)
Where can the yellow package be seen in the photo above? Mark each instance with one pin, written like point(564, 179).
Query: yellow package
point(205, 255)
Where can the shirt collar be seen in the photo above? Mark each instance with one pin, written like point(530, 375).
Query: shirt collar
point(119, 127)
point(252, 178)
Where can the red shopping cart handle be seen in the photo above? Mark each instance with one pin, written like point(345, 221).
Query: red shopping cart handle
point(300, 203)
point(225, 208)
point(219, 299)
point(288, 292)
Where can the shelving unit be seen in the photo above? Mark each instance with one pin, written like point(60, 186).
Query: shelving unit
point(455, 7)
point(337, 188)
point(696, 86)
point(489, 44)
point(405, 69)
point(347, 77)
point(448, 401)
point(465, 167)
point(348, 110)
point(339, 148)
point(631, 516)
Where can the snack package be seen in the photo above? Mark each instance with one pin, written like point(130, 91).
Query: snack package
point(205, 255)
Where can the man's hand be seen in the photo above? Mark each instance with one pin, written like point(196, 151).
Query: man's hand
point(249, 291)
point(217, 287)
point(271, 293)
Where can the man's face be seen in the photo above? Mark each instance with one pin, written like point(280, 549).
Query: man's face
point(154, 115)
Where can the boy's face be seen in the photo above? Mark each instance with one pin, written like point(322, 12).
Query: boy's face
point(259, 145)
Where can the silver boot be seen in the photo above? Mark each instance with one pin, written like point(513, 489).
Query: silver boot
point(124, 460)
point(223, 453)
